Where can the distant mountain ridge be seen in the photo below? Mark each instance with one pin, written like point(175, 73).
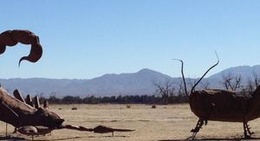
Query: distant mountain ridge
point(244, 71)
point(139, 83)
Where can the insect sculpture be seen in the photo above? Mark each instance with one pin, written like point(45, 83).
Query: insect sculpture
point(19, 112)
point(222, 105)
point(15, 111)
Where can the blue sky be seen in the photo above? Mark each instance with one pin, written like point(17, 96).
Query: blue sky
point(84, 39)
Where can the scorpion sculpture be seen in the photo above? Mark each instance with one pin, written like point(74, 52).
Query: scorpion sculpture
point(12, 37)
point(19, 112)
point(222, 105)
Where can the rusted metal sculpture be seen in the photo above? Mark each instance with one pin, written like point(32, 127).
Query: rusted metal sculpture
point(12, 37)
point(20, 112)
point(222, 105)
point(32, 121)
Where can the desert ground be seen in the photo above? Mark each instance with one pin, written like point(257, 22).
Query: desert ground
point(163, 123)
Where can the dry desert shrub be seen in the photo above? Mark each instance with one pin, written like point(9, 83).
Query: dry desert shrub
point(153, 106)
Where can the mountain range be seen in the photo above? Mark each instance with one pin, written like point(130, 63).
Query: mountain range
point(139, 83)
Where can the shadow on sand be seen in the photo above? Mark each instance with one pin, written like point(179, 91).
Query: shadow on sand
point(10, 138)
point(84, 137)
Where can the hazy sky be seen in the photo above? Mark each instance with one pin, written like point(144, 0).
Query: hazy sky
point(88, 38)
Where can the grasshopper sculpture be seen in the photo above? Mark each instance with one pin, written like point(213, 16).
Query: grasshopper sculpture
point(19, 112)
point(222, 105)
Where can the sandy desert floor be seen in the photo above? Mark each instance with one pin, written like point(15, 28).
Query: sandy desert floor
point(164, 123)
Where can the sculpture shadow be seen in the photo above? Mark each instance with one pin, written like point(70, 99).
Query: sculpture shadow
point(80, 137)
point(10, 138)
point(13, 138)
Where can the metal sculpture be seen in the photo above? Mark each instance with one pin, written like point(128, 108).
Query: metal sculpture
point(222, 105)
point(36, 121)
point(20, 112)
point(13, 37)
